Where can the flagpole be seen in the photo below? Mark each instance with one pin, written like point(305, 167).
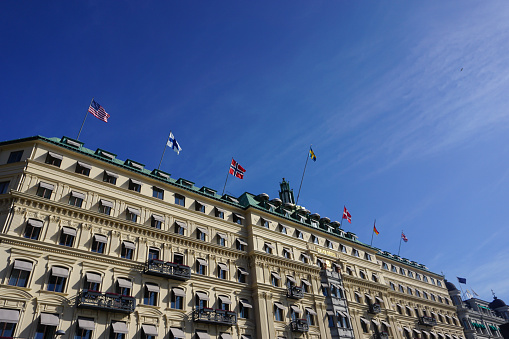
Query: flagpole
point(83, 123)
point(301, 180)
point(400, 238)
point(226, 178)
point(372, 234)
point(164, 150)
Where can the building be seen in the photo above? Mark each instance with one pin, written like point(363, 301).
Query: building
point(480, 319)
point(99, 247)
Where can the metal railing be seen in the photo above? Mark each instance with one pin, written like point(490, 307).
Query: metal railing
point(295, 292)
point(375, 308)
point(299, 325)
point(106, 301)
point(212, 316)
point(427, 321)
point(167, 269)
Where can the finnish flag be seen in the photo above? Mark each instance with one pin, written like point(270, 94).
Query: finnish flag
point(172, 142)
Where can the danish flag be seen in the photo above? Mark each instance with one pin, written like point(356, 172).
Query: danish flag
point(347, 215)
point(236, 170)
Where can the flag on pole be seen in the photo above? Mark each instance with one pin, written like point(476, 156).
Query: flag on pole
point(462, 280)
point(236, 170)
point(403, 236)
point(98, 111)
point(347, 215)
point(312, 154)
point(172, 143)
point(375, 230)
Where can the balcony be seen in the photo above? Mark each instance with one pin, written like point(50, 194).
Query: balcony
point(382, 335)
point(167, 270)
point(218, 317)
point(299, 325)
point(427, 321)
point(374, 308)
point(295, 292)
point(106, 301)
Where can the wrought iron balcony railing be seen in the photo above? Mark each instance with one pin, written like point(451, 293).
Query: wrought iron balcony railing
point(168, 269)
point(212, 316)
point(295, 292)
point(375, 308)
point(106, 301)
point(428, 321)
point(382, 335)
point(299, 325)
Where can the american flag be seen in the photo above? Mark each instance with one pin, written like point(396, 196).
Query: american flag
point(98, 111)
point(403, 236)
point(236, 170)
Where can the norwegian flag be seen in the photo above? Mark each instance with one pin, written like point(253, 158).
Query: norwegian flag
point(236, 170)
point(347, 215)
point(403, 236)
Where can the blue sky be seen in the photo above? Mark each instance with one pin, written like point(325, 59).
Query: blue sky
point(405, 104)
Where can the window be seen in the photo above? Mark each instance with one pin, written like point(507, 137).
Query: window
point(76, 199)
point(440, 299)
point(47, 325)
point(151, 293)
point(342, 248)
point(400, 310)
point(286, 253)
point(223, 303)
point(401, 289)
point(201, 233)
point(417, 293)
point(99, 243)
point(33, 229)
point(7, 327)
point(402, 271)
point(157, 221)
point(57, 279)
point(417, 276)
point(278, 312)
point(177, 333)
point(118, 330)
point(180, 200)
point(282, 229)
point(244, 307)
point(124, 286)
point(343, 320)
point(92, 281)
point(219, 213)
point(325, 290)
point(410, 274)
point(264, 223)
point(358, 297)
point(237, 218)
point(329, 244)
point(432, 297)
point(333, 291)
point(177, 298)
point(153, 253)
point(367, 256)
point(84, 328)
point(158, 193)
point(391, 284)
point(305, 285)
point(54, 159)
point(180, 227)
point(409, 290)
point(304, 258)
point(432, 281)
point(424, 278)
point(330, 320)
point(20, 273)
point(199, 206)
point(362, 274)
point(15, 157)
point(149, 331)
point(222, 270)
point(105, 206)
point(221, 239)
point(201, 266)
point(374, 277)
point(408, 311)
point(127, 251)
point(242, 275)
point(110, 177)
point(425, 295)
point(394, 269)
point(275, 278)
point(178, 258)
point(67, 236)
point(268, 247)
point(201, 300)
point(314, 239)
point(135, 185)
point(82, 168)
point(241, 245)
point(355, 252)
point(45, 190)
point(349, 270)
point(299, 235)
point(132, 214)
point(4, 185)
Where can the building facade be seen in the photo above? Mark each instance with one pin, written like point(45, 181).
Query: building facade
point(98, 247)
point(480, 319)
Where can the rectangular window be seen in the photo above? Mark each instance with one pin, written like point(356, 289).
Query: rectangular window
point(157, 193)
point(199, 206)
point(180, 200)
point(45, 332)
point(54, 159)
point(4, 186)
point(219, 213)
point(177, 298)
point(241, 245)
point(237, 218)
point(127, 251)
point(201, 233)
point(135, 185)
point(151, 293)
point(110, 177)
point(15, 157)
point(278, 312)
point(178, 258)
point(299, 234)
point(244, 307)
point(221, 239)
point(275, 278)
point(124, 286)
point(45, 190)
point(33, 229)
point(180, 227)
point(84, 328)
point(157, 221)
point(92, 281)
point(76, 199)
point(153, 253)
point(283, 229)
point(99, 243)
point(20, 273)
point(201, 266)
point(67, 236)
point(105, 206)
point(355, 253)
point(132, 214)
point(222, 270)
point(82, 168)
point(57, 279)
point(242, 275)
point(264, 223)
